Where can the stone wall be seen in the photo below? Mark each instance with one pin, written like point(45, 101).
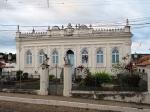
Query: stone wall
point(136, 97)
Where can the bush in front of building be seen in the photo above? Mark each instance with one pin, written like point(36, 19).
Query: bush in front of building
point(127, 79)
point(101, 78)
point(51, 77)
point(89, 80)
point(96, 79)
point(19, 74)
point(25, 76)
point(78, 79)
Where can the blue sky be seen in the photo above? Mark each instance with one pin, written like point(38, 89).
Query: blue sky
point(37, 12)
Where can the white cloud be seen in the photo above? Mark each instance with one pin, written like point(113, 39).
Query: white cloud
point(31, 12)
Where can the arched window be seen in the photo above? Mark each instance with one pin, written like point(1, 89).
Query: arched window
point(41, 57)
point(84, 56)
point(99, 56)
point(28, 57)
point(55, 57)
point(115, 56)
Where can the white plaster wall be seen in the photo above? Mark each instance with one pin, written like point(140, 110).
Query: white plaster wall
point(76, 45)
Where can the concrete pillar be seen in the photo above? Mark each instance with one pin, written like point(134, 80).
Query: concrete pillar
point(67, 80)
point(127, 29)
point(44, 81)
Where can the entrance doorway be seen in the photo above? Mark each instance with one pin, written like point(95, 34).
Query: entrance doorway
point(70, 55)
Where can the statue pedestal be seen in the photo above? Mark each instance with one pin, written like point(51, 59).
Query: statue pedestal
point(44, 81)
point(67, 80)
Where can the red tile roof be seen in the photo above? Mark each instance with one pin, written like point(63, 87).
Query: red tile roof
point(144, 61)
point(144, 58)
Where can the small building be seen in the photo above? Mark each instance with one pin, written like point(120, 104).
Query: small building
point(7, 64)
point(144, 64)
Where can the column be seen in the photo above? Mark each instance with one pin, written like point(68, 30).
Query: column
point(67, 80)
point(44, 80)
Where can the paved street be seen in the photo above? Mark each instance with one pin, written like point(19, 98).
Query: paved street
point(74, 102)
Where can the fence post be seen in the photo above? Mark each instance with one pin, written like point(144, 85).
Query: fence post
point(67, 80)
point(44, 81)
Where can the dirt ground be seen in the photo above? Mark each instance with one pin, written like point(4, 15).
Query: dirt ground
point(24, 107)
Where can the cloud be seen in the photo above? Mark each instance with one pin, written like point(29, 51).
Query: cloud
point(31, 12)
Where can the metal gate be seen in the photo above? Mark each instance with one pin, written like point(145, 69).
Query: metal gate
point(55, 81)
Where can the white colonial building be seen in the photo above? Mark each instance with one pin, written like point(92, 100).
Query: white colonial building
point(96, 48)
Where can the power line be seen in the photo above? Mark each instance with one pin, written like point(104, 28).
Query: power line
point(135, 23)
point(73, 3)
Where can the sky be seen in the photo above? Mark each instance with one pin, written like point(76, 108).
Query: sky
point(56, 12)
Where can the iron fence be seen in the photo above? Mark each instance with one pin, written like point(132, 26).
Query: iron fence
point(10, 82)
point(56, 81)
point(85, 81)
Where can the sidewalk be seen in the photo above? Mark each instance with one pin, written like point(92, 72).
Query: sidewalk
point(75, 102)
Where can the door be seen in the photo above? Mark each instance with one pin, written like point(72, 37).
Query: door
point(70, 55)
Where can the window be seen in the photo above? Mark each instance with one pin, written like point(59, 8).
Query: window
point(100, 56)
point(55, 57)
point(115, 56)
point(143, 71)
point(41, 57)
point(139, 70)
point(84, 56)
point(28, 57)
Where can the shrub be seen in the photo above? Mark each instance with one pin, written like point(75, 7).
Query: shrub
point(19, 74)
point(78, 79)
point(143, 85)
point(51, 77)
point(102, 77)
point(25, 76)
point(128, 79)
point(89, 79)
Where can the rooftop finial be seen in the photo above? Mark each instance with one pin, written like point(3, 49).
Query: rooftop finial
point(18, 30)
point(62, 27)
point(76, 26)
point(90, 26)
point(127, 22)
point(69, 25)
point(33, 31)
point(48, 27)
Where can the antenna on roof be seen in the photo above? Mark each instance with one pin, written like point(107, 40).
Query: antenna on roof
point(33, 31)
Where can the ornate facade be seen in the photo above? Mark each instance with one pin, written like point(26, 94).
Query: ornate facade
point(95, 48)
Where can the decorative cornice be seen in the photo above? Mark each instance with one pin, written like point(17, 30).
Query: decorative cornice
point(79, 31)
